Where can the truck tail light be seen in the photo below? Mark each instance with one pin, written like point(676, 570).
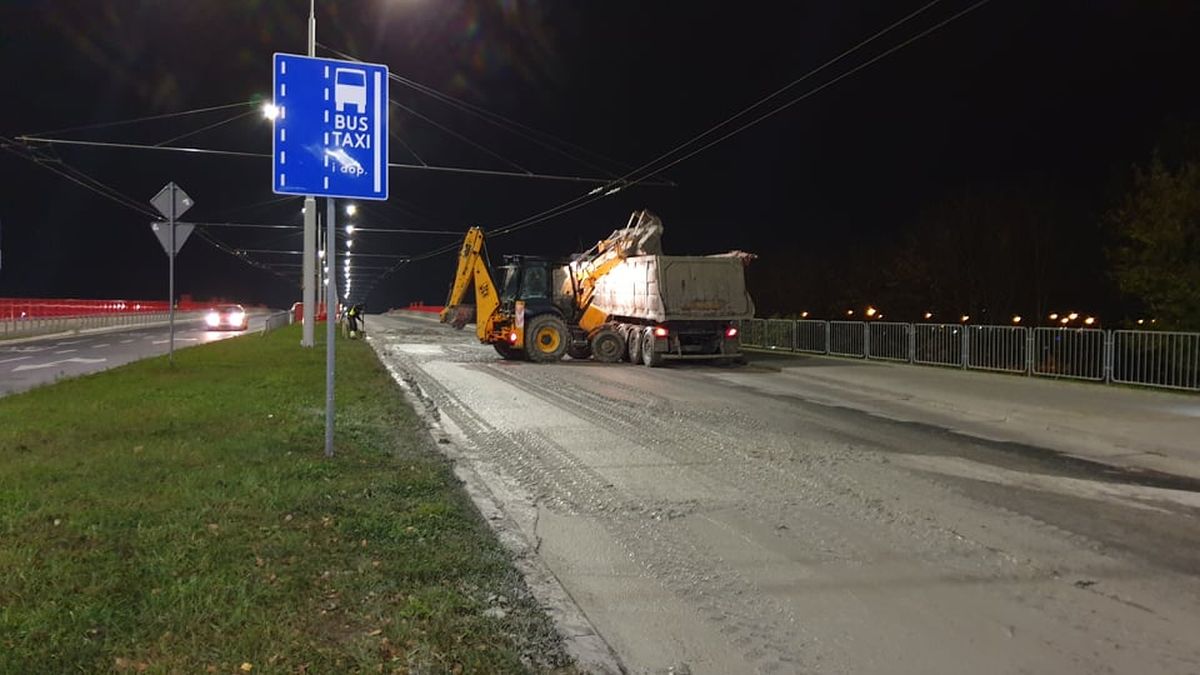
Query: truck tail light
point(731, 332)
point(660, 331)
point(512, 338)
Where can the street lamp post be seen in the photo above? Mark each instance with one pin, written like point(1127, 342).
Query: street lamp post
point(310, 223)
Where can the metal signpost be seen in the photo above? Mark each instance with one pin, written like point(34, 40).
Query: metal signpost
point(329, 140)
point(172, 202)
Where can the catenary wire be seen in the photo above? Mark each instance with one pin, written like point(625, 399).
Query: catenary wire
point(603, 191)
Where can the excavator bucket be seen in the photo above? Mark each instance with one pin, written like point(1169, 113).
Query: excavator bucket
point(459, 315)
point(642, 235)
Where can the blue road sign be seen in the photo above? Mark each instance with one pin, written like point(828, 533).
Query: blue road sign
point(330, 137)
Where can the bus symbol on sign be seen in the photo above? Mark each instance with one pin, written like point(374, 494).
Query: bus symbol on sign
point(350, 86)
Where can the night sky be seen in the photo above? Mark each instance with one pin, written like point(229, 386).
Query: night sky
point(1056, 99)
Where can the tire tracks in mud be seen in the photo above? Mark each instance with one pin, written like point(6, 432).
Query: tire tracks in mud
point(814, 474)
point(556, 479)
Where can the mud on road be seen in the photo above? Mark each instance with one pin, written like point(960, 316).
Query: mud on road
point(726, 520)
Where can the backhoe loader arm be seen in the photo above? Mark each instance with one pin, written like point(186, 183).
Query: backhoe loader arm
point(640, 236)
point(472, 267)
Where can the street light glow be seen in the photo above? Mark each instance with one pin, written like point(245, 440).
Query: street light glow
point(1090, 320)
point(349, 229)
point(928, 315)
point(1054, 317)
point(966, 318)
point(1073, 315)
point(270, 111)
point(1017, 318)
point(871, 311)
point(351, 209)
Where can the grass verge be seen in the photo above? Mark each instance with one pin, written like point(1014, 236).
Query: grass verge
point(184, 520)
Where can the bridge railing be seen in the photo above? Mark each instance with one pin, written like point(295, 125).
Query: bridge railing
point(1145, 358)
point(48, 325)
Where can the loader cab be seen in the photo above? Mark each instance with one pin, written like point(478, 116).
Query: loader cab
point(528, 279)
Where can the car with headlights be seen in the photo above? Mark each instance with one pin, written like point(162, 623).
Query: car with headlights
point(227, 317)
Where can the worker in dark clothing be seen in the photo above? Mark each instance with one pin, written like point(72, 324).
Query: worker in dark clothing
point(354, 318)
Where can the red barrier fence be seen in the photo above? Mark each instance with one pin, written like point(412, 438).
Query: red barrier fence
point(30, 308)
point(422, 307)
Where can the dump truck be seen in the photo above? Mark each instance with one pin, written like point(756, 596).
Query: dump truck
point(620, 300)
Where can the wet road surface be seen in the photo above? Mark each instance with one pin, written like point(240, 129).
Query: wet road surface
point(735, 520)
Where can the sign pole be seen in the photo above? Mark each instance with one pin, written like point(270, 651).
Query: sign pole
point(171, 284)
point(340, 108)
point(330, 318)
point(172, 202)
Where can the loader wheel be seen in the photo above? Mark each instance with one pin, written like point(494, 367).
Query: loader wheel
point(650, 357)
point(608, 346)
point(546, 338)
point(508, 352)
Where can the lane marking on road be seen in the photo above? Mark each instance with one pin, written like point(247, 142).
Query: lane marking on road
point(51, 364)
point(125, 342)
point(67, 342)
point(160, 342)
point(16, 358)
point(66, 351)
point(102, 344)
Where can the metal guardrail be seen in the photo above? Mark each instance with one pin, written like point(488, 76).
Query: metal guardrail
point(1076, 353)
point(30, 327)
point(780, 333)
point(812, 336)
point(887, 341)
point(1144, 358)
point(276, 320)
point(1000, 348)
point(938, 344)
point(1170, 360)
point(848, 338)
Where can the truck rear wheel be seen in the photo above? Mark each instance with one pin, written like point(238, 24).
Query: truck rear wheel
point(634, 337)
point(650, 357)
point(608, 346)
point(546, 338)
point(579, 353)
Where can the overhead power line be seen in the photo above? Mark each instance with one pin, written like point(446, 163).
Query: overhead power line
point(202, 129)
point(265, 155)
point(135, 120)
point(631, 178)
point(496, 119)
point(108, 192)
point(455, 134)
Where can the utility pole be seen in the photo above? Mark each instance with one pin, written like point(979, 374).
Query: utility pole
point(310, 223)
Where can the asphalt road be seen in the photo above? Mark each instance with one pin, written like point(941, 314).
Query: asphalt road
point(783, 518)
point(32, 363)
